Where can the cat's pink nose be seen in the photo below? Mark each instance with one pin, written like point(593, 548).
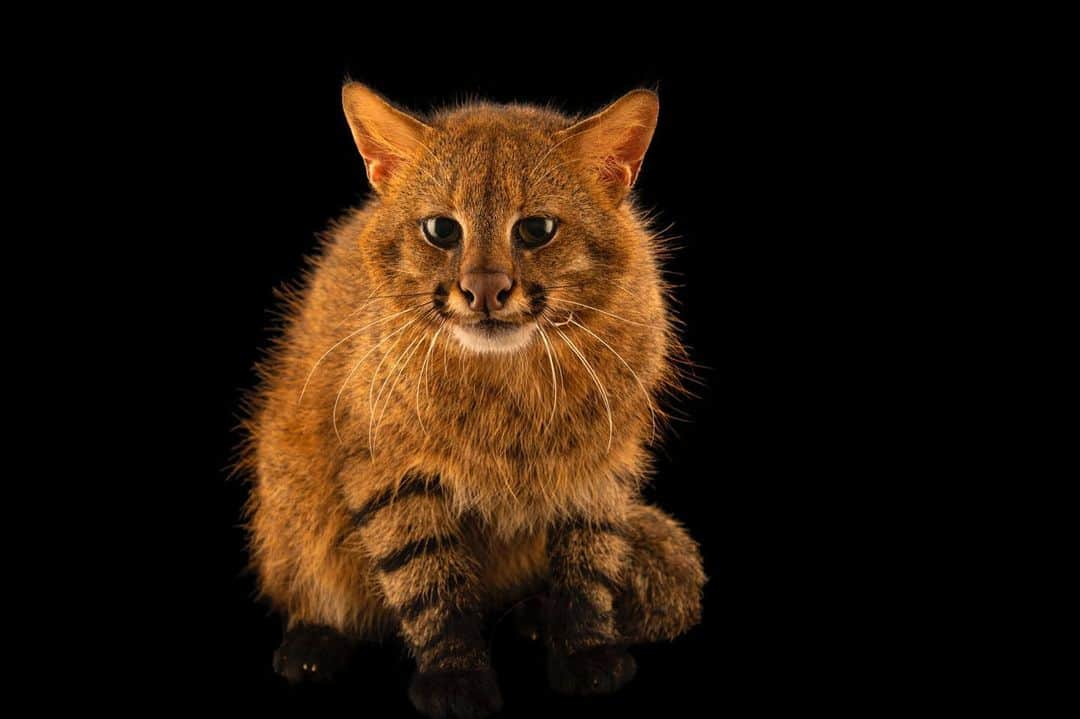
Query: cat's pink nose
point(486, 291)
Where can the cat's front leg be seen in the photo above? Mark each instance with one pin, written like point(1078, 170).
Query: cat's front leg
point(428, 577)
point(586, 654)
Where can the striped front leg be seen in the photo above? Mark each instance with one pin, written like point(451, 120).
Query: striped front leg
point(588, 561)
point(429, 579)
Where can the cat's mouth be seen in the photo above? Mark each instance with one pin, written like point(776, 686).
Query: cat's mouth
point(494, 326)
point(492, 335)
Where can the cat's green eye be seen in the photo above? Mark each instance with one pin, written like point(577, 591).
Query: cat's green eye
point(535, 232)
point(443, 232)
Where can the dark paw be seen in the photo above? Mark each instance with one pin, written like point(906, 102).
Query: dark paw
point(312, 653)
point(462, 694)
point(529, 618)
point(600, 670)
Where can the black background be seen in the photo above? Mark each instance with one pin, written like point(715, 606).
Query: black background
point(756, 165)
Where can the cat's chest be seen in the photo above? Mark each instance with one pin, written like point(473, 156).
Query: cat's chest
point(521, 483)
point(528, 424)
point(524, 453)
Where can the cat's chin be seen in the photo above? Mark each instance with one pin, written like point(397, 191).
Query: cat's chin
point(491, 341)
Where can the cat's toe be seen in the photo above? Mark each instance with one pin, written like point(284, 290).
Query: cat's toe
point(310, 653)
point(600, 670)
point(472, 694)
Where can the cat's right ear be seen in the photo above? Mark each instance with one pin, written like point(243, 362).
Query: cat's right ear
point(385, 136)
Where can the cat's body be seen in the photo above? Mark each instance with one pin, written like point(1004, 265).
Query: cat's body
point(450, 425)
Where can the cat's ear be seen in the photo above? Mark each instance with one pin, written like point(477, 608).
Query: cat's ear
point(385, 136)
point(613, 141)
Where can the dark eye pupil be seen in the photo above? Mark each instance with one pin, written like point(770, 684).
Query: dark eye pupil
point(536, 231)
point(444, 227)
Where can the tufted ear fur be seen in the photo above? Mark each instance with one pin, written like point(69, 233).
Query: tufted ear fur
point(615, 139)
point(385, 136)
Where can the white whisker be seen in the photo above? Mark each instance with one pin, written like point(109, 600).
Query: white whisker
point(640, 384)
point(596, 380)
point(597, 309)
point(410, 351)
point(346, 338)
point(373, 401)
point(554, 381)
point(367, 302)
point(420, 379)
point(356, 366)
point(373, 297)
point(568, 320)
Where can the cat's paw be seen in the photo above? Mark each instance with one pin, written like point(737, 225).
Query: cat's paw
point(312, 653)
point(472, 694)
point(600, 670)
point(529, 618)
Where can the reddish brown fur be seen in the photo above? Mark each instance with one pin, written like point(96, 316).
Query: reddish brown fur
point(515, 455)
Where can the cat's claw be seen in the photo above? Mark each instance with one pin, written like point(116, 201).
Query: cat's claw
point(310, 653)
point(600, 670)
point(472, 694)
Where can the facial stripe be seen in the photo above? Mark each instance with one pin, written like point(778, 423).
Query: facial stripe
point(537, 298)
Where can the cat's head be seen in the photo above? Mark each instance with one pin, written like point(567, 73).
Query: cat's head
point(496, 219)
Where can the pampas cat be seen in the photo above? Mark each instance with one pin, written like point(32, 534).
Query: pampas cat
point(457, 414)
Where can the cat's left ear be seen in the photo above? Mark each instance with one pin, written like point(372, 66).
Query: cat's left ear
point(614, 140)
point(385, 136)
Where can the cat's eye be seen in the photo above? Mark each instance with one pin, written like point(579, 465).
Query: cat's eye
point(535, 232)
point(443, 232)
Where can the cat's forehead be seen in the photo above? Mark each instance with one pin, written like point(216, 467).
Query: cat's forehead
point(508, 131)
point(515, 119)
point(483, 153)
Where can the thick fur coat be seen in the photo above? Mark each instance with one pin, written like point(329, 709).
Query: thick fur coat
point(414, 468)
